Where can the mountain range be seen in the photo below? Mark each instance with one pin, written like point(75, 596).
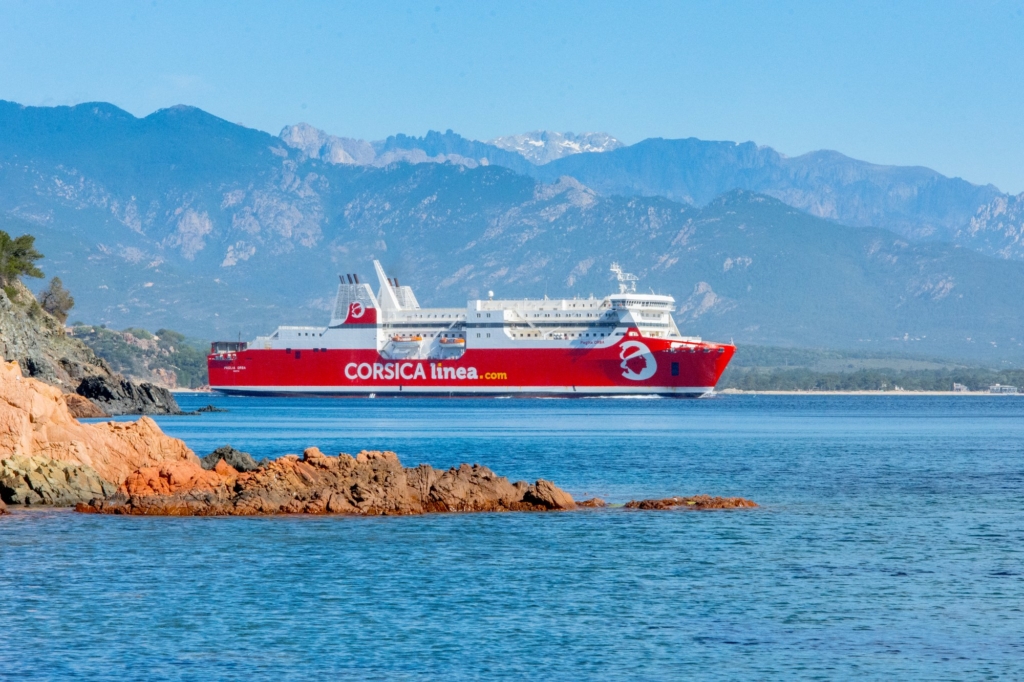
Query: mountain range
point(915, 202)
point(183, 220)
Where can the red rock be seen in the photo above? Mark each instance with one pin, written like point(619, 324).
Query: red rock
point(81, 407)
point(376, 456)
point(170, 478)
point(547, 494)
point(696, 502)
point(226, 470)
point(372, 483)
point(35, 422)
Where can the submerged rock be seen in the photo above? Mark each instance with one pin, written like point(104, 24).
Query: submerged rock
point(242, 461)
point(38, 480)
point(372, 483)
point(695, 502)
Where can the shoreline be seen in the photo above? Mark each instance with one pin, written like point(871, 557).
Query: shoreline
point(976, 394)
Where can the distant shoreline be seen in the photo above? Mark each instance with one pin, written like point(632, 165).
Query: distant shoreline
point(737, 391)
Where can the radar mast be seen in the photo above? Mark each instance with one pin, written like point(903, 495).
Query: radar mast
point(627, 282)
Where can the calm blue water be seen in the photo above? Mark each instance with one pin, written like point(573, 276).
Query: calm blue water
point(890, 544)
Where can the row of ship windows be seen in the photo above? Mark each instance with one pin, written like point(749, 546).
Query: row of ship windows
point(642, 304)
point(536, 335)
point(549, 315)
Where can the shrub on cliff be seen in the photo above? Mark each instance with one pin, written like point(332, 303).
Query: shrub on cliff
point(57, 300)
point(18, 258)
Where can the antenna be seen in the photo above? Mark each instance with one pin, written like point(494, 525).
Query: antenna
point(627, 282)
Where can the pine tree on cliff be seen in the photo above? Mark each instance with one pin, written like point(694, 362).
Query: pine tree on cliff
point(57, 300)
point(18, 258)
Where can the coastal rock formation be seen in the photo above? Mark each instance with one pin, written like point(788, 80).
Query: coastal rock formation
point(372, 483)
point(695, 502)
point(38, 480)
point(238, 460)
point(123, 396)
point(38, 342)
point(81, 407)
point(35, 422)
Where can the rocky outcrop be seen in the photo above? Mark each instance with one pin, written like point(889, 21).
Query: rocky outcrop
point(695, 502)
point(37, 341)
point(238, 460)
point(372, 483)
point(38, 480)
point(81, 407)
point(35, 422)
point(122, 396)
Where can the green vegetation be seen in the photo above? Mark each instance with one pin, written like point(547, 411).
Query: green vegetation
point(149, 357)
point(56, 300)
point(186, 357)
point(802, 379)
point(832, 360)
point(18, 258)
point(766, 368)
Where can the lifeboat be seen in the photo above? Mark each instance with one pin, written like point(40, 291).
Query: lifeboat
point(453, 342)
point(406, 338)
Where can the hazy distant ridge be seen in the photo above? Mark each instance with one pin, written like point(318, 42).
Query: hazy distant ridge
point(913, 201)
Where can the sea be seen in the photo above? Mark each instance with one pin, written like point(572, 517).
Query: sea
point(888, 544)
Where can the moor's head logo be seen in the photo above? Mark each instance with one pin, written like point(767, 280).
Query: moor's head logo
point(638, 362)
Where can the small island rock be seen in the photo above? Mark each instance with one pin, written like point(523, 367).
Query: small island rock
point(372, 483)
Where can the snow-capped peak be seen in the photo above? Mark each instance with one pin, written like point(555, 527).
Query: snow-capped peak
point(542, 146)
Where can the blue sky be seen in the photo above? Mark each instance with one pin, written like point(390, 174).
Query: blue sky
point(939, 84)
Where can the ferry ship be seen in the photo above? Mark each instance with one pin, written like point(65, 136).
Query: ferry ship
point(385, 344)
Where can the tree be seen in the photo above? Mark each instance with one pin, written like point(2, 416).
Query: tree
point(57, 300)
point(18, 257)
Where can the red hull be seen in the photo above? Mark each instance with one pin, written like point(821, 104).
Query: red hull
point(633, 366)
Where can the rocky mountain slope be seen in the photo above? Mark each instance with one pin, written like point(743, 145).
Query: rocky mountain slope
point(916, 203)
point(997, 228)
point(186, 221)
point(434, 147)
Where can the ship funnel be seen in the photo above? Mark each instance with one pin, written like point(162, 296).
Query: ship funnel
point(355, 303)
